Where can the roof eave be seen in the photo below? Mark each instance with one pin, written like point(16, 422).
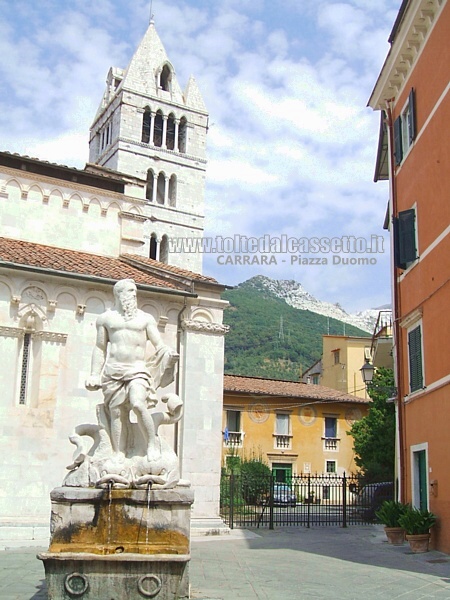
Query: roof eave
point(92, 278)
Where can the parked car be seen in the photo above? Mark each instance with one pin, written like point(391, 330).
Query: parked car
point(283, 495)
point(371, 497)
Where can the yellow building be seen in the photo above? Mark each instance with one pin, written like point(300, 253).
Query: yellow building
point(295, 427)
point(342, 358)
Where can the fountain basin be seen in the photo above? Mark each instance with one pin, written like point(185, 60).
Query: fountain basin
point(112, 544)
point(115, 577)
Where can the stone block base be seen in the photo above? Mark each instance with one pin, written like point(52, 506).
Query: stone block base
point(115, 577)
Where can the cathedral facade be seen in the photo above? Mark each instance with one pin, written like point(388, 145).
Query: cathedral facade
point(67, 235)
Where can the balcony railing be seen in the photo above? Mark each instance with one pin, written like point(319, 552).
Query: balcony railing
point(282, 441)
point(234, 439)
point(331, 443)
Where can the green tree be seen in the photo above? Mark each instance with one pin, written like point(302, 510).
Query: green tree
point(374, 435)
point(255, 476)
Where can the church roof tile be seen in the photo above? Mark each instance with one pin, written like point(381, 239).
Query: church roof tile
point(53, 260)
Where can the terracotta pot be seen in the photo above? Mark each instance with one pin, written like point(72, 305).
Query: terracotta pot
point(395, 535)
point(419, 542)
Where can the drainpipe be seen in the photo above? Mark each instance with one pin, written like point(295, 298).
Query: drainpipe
point(396, 305)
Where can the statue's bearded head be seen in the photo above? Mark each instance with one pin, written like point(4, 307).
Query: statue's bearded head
point(125, 297)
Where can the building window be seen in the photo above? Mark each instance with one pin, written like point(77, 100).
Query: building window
point(415, 359)
point(337, 357)
point(282, 435)
point(315, 379)
point(331, 466)
point(405, 129)
point(330, 438)
point(405, 249)
point(232, 433)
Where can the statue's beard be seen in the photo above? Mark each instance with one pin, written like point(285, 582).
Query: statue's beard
point(129, 308)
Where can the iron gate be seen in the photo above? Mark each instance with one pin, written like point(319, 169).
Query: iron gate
point(308, 500)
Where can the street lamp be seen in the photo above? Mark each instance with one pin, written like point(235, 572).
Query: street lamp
point(367, 371)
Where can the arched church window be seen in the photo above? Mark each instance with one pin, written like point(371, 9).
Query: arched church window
point(170, 134)
point(150, 185)
point(173, 191)
point(182, 135)
point(166, 78)
point(161, 188)
point(164, 249)
point(146, 123)
point(153, 246)
point(158, 132)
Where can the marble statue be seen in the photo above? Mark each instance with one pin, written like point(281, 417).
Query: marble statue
point(122, 452)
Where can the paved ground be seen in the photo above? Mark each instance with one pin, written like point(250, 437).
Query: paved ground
point(286, 564)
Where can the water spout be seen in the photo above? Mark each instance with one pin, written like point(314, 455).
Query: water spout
point(149, 487)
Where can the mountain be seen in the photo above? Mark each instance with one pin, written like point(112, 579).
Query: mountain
point(271, 337)
point(295, 295)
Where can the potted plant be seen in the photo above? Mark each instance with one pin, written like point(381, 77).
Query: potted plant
point(389, 514)
point(417, 523)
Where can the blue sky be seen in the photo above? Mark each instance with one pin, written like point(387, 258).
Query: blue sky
point(291, 145)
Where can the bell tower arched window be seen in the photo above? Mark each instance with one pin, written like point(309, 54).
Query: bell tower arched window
point(146, 126)
point(170, 134)
point(165, 78)
point(150, 185)
point(173, 191)
point(158, 131)
point(164, 249)
point(161, 188)
point(153, 247)
point(182, 135)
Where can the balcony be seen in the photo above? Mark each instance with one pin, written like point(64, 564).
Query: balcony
point(234, 439)
point(381, 350)
point(283, 442)
point(331, 444)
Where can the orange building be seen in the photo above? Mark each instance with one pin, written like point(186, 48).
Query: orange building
point(295, 427)
point(412, 94)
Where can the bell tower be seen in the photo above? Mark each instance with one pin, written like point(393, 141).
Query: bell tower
point(150, 130)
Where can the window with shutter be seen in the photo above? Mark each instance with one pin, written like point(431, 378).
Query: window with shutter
point(398, 149)
point(405, 251)
point(415, 359)
point(405, 129)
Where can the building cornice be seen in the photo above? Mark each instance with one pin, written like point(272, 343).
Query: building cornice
point(413, 32)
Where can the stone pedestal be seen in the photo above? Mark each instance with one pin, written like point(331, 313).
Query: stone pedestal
point(111, 544)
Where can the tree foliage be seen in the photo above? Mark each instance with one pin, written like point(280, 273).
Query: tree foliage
point(374, 435)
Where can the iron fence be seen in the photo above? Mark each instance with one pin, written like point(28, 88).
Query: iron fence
point(308, 500)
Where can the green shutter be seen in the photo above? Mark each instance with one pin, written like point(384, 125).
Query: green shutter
point(415, 359)
point(398, 149)
point(407, 234)
point(412, 117)
point(404, 229)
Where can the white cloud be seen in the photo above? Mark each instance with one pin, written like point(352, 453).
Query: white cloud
point(291, 144)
